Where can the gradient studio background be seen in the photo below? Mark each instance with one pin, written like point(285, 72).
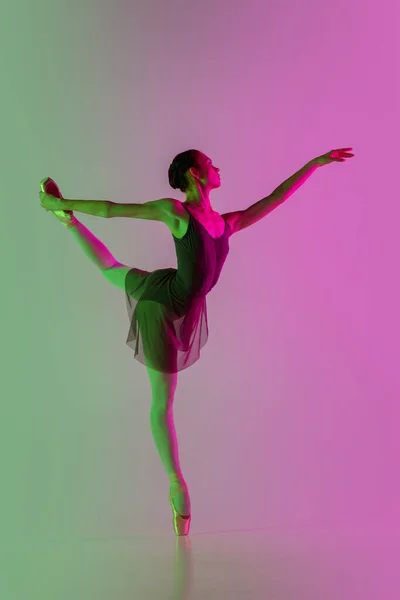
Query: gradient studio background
point(290, 418)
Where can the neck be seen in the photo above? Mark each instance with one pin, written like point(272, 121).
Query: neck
point(201, 204)
point(198, 197)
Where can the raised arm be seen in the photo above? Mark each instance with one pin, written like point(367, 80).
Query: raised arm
point(241, 219)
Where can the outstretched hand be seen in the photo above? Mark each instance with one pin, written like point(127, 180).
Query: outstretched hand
point(49, 202)
point(334, 156)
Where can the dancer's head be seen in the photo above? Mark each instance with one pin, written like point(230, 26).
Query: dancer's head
point(192, 171)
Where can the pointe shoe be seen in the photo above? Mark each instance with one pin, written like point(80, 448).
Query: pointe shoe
point(66, 217)
point(181, 524)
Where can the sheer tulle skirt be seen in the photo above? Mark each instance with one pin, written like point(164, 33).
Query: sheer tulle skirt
point(165, 333)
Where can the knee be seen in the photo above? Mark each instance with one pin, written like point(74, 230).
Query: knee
point(163, 387)
point(161, 402)
point(116, 274)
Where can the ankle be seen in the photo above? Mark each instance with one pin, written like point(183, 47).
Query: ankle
point(74, 221)
point(175, 479)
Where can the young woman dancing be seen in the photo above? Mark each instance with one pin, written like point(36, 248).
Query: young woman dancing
point(167, 307)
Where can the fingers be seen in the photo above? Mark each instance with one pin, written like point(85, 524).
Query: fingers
point(345, 151)
point(342, 154)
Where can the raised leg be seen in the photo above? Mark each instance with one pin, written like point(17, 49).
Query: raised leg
point(94, 249)
point(114, 271)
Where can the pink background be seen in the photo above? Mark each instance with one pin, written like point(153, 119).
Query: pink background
point(291, 417)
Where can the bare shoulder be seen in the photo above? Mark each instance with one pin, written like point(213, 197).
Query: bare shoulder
point(174, 215)
point(176, 208)
point(233, 220)
point(177, 211)
point(167, 208)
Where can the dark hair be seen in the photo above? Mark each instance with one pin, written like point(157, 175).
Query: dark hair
point(179, 166)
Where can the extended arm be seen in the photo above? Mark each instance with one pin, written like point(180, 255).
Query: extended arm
point(260, 209)
point(241, 219)
point(290, 185)
point(156, 210)
point(244, 218)
point(98, 208)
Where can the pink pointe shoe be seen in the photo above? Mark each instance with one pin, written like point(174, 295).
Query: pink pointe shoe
point(49, 186)
point(181, 524)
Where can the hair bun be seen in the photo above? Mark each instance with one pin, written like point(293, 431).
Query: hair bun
point(172, 175)
point(178, 168)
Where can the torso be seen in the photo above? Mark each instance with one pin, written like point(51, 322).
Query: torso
point(213, 223)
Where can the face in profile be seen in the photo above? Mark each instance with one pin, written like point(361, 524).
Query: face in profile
point(209, 174)
point(213, 176)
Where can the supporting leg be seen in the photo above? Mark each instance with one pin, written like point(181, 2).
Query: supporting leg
point(164, 434)
point(163, 387)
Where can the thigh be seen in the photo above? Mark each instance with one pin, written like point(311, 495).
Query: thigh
point(158, 343)
point(117, 274)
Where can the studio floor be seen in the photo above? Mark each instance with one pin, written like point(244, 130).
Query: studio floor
point(252, 564)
